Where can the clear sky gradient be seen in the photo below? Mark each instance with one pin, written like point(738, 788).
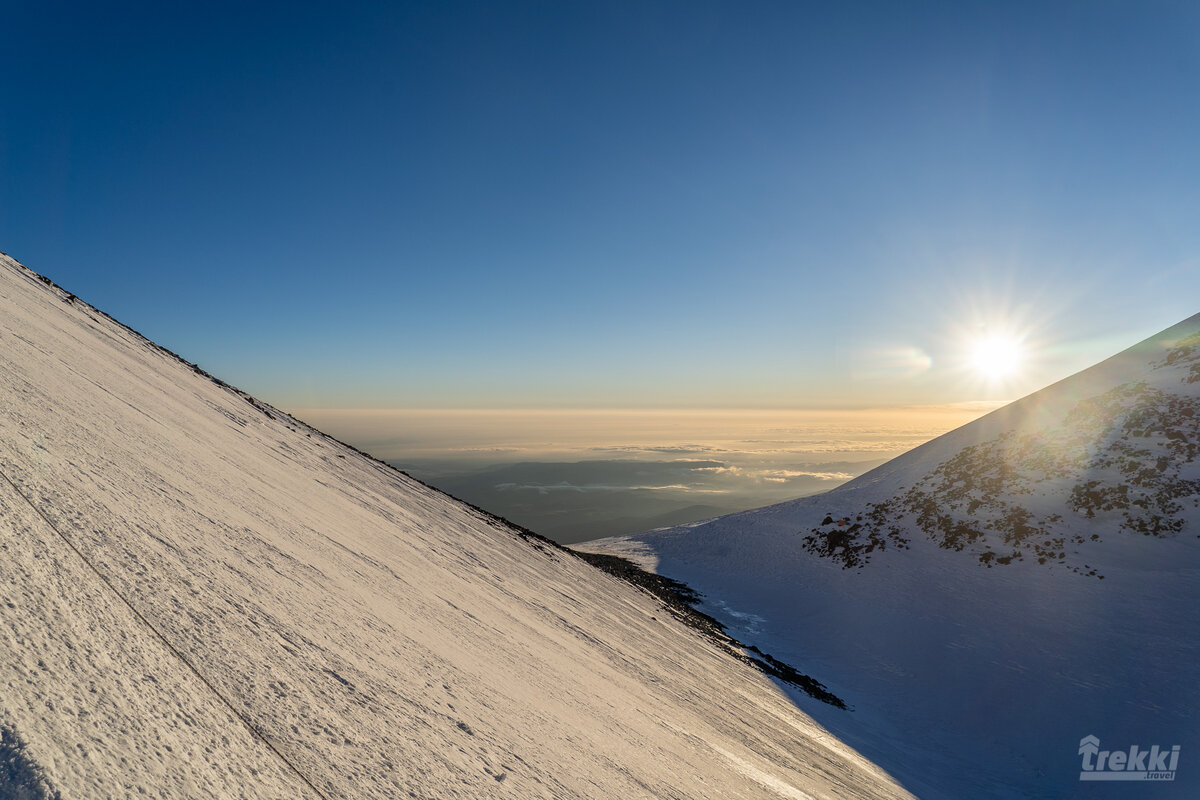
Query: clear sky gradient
point(610, 204)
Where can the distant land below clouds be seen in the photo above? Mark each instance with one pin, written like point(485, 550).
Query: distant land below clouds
point(581, 500)
point(575, 475)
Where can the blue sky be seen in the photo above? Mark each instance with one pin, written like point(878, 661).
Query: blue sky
point(610, 204)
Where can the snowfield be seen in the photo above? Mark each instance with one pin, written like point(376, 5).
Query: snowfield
point(201, 597)
point(991, 599)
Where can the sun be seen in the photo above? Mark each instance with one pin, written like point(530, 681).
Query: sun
point(997, 357)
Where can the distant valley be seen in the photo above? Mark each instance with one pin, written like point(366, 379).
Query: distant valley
point(581, 500)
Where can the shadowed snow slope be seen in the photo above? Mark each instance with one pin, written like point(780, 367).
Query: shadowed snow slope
point(201, 597)
point(990, 599)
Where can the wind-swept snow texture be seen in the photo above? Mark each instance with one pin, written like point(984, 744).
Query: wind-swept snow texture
point(988, 600)
point(201, 597)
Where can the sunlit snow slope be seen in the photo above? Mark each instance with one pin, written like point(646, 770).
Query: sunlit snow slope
point(203, 598)
point(992, 598)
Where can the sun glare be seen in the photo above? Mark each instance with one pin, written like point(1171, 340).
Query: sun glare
point(996, 357)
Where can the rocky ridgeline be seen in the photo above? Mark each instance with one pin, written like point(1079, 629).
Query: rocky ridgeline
point(1118, 464)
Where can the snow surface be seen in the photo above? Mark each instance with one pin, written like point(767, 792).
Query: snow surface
point(996, 595)
point(201, 597)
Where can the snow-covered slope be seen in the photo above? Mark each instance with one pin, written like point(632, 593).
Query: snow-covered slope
point(201, 597)
point(992, 598)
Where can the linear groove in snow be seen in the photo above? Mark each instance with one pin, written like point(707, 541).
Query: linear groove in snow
point(170, 647)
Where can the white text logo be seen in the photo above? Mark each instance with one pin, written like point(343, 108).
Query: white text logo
point(1134, 764)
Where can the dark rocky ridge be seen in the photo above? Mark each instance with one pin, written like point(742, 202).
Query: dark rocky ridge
point(1122, 456)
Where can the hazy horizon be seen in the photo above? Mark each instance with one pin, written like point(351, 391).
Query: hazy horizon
point(575, 475)
point(562, 434)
